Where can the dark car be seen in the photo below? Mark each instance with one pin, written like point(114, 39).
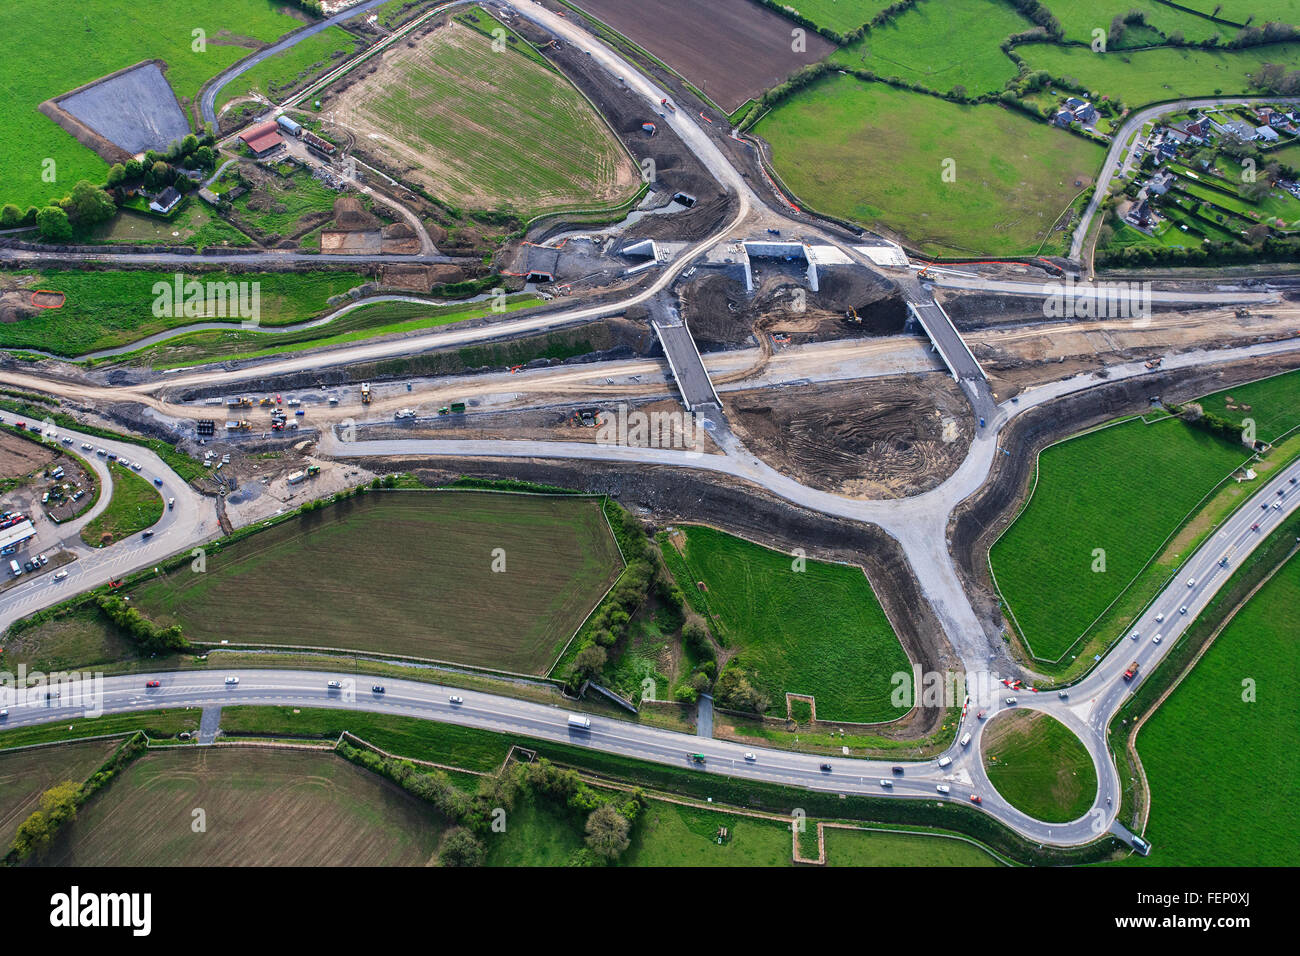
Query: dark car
point(377, 689)
point(147, 535)
point(826, 768)
point(898, 770)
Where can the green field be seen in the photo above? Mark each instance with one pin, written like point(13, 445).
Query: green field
point(26, 774)
point(278, 208)
point(1123, 489)
point(842, 16)
point(405, 573)
point(1079, 18)
point(1039, 766)
point(876, 155)
point(1270, 402)
point(668, 834)
point(1231, 799)
point(194, 224)
point(278, 76)
point(135, 505)
point(83, 638)
point(488, 130)
point(261, 807)
point(95, 37)
point(1149, 76)
point(109, 309)
point(820, 631)
point(942, 46)
point(876, 848)
point(368, 321)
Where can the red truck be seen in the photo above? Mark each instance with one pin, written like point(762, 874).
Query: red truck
point(1132, 670)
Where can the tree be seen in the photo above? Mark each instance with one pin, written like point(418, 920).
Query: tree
point(58, 805)
point(608, 832)
point(159, 175)
point(134, 169)
point(189, 144)
point(53, 224)
point(10, 216)
point(590, 660)
point(90, 204)
point(461, 848)
point(116, 173)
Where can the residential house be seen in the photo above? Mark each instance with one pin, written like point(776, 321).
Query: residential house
point(165, 201)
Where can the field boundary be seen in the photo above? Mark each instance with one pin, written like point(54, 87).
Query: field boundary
point(824, 825)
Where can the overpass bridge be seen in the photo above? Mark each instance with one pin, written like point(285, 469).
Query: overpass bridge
point(684, 359)
point(952, 348)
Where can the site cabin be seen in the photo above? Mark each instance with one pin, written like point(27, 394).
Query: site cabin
point(296, 477)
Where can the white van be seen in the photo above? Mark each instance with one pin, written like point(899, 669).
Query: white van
point(15, 568)
point(944, 761)
point(965, 739)
point(577, 722)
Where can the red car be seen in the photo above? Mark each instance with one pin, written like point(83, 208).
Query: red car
point(975, 798)
point(1255, 526)
point(153, 683)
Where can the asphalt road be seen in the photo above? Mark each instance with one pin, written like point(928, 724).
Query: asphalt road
point(192, 521)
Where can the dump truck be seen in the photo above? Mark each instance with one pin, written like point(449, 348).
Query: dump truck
point(237, 426)
point(365, 393)
point(1132, 671)
point(238, 402)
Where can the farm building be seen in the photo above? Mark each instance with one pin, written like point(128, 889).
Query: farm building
point(165, 201)
point(262, 138)
point(292, 127)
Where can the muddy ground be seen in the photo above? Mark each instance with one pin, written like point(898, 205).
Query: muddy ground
point(18, 456)
point(661, 496)
point(879, 438)
point(722, 315)
point(978, 521)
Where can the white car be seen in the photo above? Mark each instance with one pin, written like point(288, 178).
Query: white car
point(334, 684)
point(1156, 639)
point(1134, 636)
point(60, 575)
point(135, 466)
point(87, 446)
point(887, 784)
point(942, 787)
point(456, 699)
point(750, 757)
point(4, 714)
point(1183, 609)
point(1159, 617)
point(231, 681)
point(1011, 700)
point(1191, 582)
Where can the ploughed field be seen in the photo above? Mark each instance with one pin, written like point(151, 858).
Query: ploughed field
point(405, 573)
point(732, 50)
